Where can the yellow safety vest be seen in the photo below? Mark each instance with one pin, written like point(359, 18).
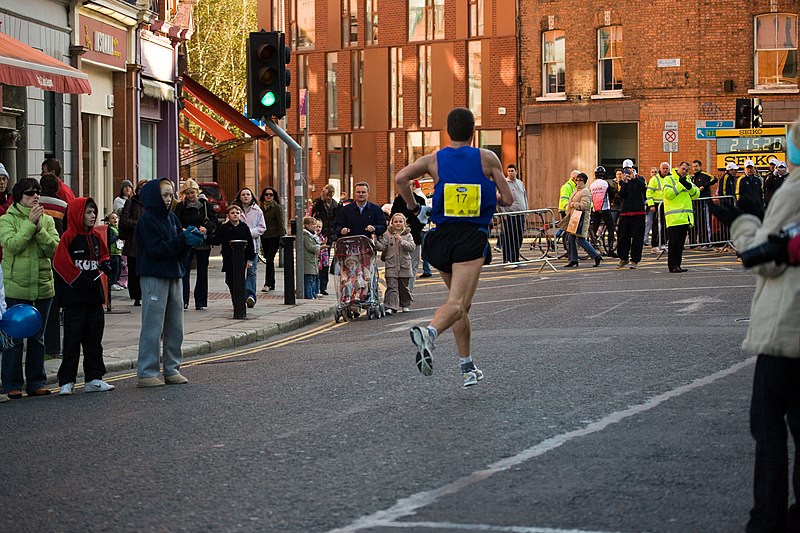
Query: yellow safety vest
point(678, 200)
point(566, 192)
point(655, 191)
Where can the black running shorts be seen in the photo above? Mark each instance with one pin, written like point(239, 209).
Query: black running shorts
point(456, 243)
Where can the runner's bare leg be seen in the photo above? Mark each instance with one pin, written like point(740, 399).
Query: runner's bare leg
point(462, 282)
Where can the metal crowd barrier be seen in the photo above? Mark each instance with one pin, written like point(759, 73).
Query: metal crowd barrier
point(707, 231)
point(523, 237)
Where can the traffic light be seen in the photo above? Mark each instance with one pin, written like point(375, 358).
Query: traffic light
point(757, 121)
point(266, 75)
point(285, 57)
point(744, 113)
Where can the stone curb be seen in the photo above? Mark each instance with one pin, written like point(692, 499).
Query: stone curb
point(224, 338)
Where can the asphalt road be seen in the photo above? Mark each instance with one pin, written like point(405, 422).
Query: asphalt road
point(614, 401)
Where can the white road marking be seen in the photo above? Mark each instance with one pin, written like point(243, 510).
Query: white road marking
point(695, 304)
point(409, 505)
point(487, 527)
point(601, 313)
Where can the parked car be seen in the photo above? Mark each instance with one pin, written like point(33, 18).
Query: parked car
point(215, 196)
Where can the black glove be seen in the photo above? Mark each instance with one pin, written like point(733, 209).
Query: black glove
point(105, 267)
point(726, 214)
point(751, 207)
point(685, 182)
point(781, 243)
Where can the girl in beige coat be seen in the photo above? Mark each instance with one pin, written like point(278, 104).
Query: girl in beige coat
point(397, 245)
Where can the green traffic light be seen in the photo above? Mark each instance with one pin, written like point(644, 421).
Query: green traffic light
point(269, 99)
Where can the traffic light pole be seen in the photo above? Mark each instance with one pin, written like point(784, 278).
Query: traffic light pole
point(299, 203)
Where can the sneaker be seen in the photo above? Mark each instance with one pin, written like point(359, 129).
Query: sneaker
point(655, 250)
point(633, 265)
point(251, 302)
point(116, 287)
point(406, 309)
point(149, 382)
point(511, 267)
point(4, 398)
point(66, 389)
point(176, 379)
point(98, 385)
point(426, 275)
point(390, 311)
point(472, 377)
point(622, 264)
point(421, 338)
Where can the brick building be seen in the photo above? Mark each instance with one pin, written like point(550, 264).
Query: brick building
point(600, 79)
point(381, 77)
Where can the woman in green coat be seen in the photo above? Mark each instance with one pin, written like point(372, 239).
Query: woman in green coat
point(29, 240)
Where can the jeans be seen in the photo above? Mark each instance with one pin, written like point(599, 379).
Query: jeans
point(270, 246)
point(572, 247)
point(35, 376)
point(161, 313)
point(251, 279)
point(311, 286)
point(513, 226)
point(775, 395)
point(201, 285)
point(648, 226)
point(116, 269)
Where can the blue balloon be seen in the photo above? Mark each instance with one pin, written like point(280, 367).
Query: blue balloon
point(21, 321)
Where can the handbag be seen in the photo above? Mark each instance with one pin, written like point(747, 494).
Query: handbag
point(575, 222)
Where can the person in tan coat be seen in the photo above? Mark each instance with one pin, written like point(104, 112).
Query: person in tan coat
point(774, 334)
point(397, 244)
point(581, 200)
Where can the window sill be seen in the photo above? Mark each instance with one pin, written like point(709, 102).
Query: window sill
point(552, 98)
point(608, 96)
point(774, 90)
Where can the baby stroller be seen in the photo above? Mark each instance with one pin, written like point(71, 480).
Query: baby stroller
point(355, 272)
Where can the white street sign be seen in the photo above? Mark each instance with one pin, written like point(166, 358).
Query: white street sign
point(671, 125)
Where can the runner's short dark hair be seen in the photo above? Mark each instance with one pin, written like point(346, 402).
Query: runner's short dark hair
point(460, 124)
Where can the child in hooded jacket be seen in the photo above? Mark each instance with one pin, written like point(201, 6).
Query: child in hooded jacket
point(80, 258)
point(397, 245)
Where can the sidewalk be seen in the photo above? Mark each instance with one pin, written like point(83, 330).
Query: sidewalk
point(211, 329)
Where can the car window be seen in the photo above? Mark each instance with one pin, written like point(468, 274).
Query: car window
point(211, 192)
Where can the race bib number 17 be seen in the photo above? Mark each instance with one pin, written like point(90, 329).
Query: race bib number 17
point(462, 200)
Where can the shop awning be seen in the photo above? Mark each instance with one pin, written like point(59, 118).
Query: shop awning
point(220, 107)
point(24, 66)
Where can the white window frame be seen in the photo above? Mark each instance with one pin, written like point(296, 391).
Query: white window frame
point(756, 50)
point(601, 60)
point(545, 63)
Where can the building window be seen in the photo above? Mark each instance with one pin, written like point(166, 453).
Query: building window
point(609, 53)
point(302, 71)
point(776, 49)
point(475, 18)
point(474, 89)
point(422, 143)
point(425, 114)
point(396, 75)
point(356, 88)
point(276, 11)
point(147, 151)
point(302, 22)
point(425, 20)
point(491, 140)
point(332, 64)
point(553, 62)
point(371, 22)
point(349, 23)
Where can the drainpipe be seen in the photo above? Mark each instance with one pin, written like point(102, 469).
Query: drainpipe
point(76, 50)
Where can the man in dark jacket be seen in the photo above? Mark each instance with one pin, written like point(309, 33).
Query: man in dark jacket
point(400, 206)
point(161, 246)
point(772, 182)
point(749, 186)
point(632, 213)
point(727, 183)
point(702, 217)
point(360, 217)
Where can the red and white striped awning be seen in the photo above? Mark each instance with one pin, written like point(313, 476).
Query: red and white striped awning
point(24, 66)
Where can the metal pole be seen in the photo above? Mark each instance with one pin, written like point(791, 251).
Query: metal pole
point(299, 200)
point(288, 278)
point(237, 279)
point(708, 156)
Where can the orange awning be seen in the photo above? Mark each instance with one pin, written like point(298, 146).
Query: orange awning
point(210, 125)
point(24, 66)
point(222, 108)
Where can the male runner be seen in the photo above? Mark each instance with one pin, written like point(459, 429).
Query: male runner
point(468, 185)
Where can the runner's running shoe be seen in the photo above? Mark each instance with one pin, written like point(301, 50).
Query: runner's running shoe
point(421, 338)
point(472, 377)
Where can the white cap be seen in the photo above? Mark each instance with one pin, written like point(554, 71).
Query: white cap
point(731, 166)
point(627, 164)
point(3, 171)
point(781, 164)
point(773, 161)
point(749, 163)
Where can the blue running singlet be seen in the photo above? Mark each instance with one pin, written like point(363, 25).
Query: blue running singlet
point(463, 193)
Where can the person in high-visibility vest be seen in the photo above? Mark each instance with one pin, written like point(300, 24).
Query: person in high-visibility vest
point(678, 195)
point(566, 192)
point(655, 198)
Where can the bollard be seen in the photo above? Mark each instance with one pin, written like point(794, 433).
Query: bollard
point(237, 279)
point(287, 242)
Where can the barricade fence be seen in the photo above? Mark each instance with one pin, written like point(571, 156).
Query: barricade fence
point(707, 231)
point(523, 237)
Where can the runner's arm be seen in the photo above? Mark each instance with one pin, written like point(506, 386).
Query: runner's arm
point(415, 170)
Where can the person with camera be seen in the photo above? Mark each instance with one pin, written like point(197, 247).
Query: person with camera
point(773, 334)
point(678, 195)
point(632, 213)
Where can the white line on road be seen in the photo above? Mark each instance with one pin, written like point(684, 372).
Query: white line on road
point(486, 527)
point(409, 506)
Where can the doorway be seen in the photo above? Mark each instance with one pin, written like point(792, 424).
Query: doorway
point(617, 142)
